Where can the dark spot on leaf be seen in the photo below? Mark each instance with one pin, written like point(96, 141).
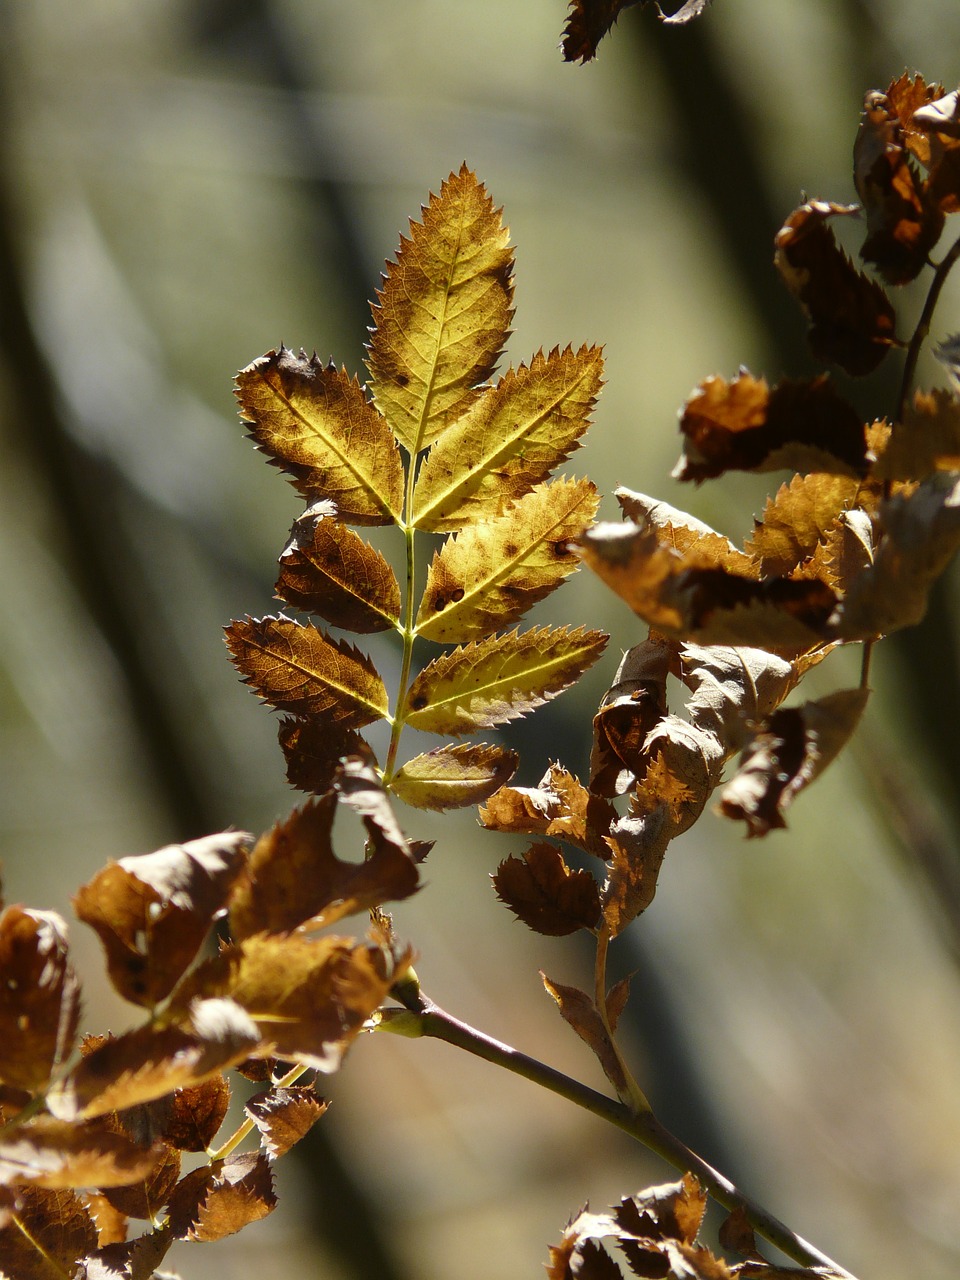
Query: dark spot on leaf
point(419, 702)
point(457, 596)
point(402, 379)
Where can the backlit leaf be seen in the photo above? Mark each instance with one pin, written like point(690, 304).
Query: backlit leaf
point(453, 777)
point(499, 679)
point(630, 708)
point(219, 1199)
point(284, 1116)
point(145, 1198)
point(49, 1233)
point(153, 911)
point(903, 223)
point(443, 313)
point(797, 519)
point(492, 572)
point(682, 532)
point(791, 750)
point(313, 750)
point(510, 439)
point(920, 110)
point(927, 440)
point(39, 997)
point(561, 806)
point(852, 321)
point(744, 426)
point(196, 1113)
point(315, 422)
point(46, 1152)
point(542, 891)
point(579, 1011)
point(328, 570)
point(637, 843)
point(297, 668)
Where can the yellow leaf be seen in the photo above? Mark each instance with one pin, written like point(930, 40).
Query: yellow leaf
point(328, 570)
point(509, 440)
point(499, 679)
point(454, 777)
point(443, 313)
point(682, 532)
point(487, 577)
point(797, 518)
point(317, 425)
point(927, 440)
point(298, 669)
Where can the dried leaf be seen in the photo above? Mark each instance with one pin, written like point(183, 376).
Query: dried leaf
point(927, 440)
point(630, 708)
point(921, 110)
point(111, 1223)
point(733, 687)
point(744, 426)
point(152, 1061)
point(443, 313)
point(152, 912)
point(315, 422)
point(146, 1197)
point(492, 572)
point(220, 1199)
point(673, 1211)
point(297, 668)
point(329, 570)
point(542, 891)
point(903, 223)
point(796, 520)
point(196, 1113)
point(49, 1233)
point(284, 1116)
point(682, 532)
point(590, 20)
point(560, 806)
point(509, 440)
point(580, 1012)
point(737, 1236)
point(852, 321)
point(453, 777)
point(46, 1152)
point(499, 679)
point(314, 750)
point(791, 750)
point(295, 878)
point(39, 997)
point(638, 843)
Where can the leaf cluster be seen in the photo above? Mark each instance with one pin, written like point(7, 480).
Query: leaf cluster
point(100, 1133)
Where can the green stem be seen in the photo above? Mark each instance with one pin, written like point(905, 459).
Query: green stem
point(408, 616)
point(241, 1132)
point(422, 1017)
point(923, 326)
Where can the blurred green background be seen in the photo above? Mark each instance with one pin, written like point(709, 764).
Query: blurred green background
point(183, 186)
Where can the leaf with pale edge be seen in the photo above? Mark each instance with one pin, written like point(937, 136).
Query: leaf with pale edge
point(499, 679)
point(796, 520)
point(152, 912)
point(443, 313)
point(39, 997)
point(580, 1012)
point(46, 1152)
point(453, 777)
point(297, 668)
point(683, 533)
point(284, 1116)
point(49, 1232)
point(560, 806)
point(927, 440)
point(219, 1199)
point(632, 706)
point(542, 891)
point(509, 440)
point(492, 572)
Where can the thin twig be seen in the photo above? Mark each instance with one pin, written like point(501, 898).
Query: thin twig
point(923, 326)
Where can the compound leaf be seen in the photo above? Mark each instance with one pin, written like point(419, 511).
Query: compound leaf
point(492, 572)
point(315, 422)
point(499, 679)
point(443, 313)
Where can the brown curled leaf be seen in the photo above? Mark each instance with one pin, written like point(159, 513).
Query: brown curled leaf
point(542, 891)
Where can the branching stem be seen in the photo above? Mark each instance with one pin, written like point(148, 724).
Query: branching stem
point(422, 1017)
point(923, 326)
point(242, 1130)
point(629, 1090)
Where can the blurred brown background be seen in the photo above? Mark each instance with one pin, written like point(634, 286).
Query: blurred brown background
point(183, 186)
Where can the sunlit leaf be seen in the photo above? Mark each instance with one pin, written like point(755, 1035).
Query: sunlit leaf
point(315, 422)
point(745, 426)
point(196, 1114)
point(545, 894)
point(927, 440)
point(146, 1197)
point(492, 572)
point(297, 668)
point(579, 1011)
point(852, 321)
point(39, 997)
point(796, 520)
point(920, 109)
point(561, 806)
point(219, 1199)
point(49, 1233)
point(510, 439)
point(153, 911)
point(499, 679)
point(328, 570)
point(284, 1116)
point(443, 313)
point(637, 843)
point(313, 750)
point(46, 1152)
point(453, 777)
point(631, 707)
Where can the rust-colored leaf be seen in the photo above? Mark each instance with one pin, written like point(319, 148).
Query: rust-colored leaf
point(329, 570)
point(297, 668)
point(510, 440)
point(852, 321)
point(920, 109)
point(796, 520)
point(295, 878)
point(284, 1116)
point(791, 750)
point(542, 891)
point(744, 426)
point(196, 1113)
point(683, 533)
point(903, 222)
point(153, 911)
point(453, 777)
point(39, 997)
point(46, 1152)
point(927, 440)
point(590, 20)
point(580, 1012)
point(492, 572)
point(49, 1232)
point(638, 843)
point(315, 422)
point(443, 314)
point(146, 1197)
point(936, 127)
point(559, 806)
point(630, 708)
point(499, 679)
point(315, 748)
point(220, 1199)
